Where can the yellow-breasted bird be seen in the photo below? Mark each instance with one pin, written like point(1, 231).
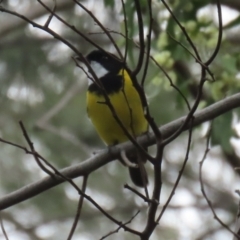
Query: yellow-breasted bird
point(115, 79)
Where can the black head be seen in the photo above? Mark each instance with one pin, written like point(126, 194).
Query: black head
point(103, 63)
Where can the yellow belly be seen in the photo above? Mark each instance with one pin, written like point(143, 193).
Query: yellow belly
point(128, 108)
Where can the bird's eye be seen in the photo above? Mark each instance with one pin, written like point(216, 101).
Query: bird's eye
point(105, 57)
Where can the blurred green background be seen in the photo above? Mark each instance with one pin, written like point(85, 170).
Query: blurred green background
point(42, 87)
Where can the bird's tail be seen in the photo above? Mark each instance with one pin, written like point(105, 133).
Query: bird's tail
point(138, 175)
point(138, 178)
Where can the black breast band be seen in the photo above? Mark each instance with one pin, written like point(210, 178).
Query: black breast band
point(112, 83)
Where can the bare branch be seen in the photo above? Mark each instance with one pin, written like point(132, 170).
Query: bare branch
point(3, 229)
point(141, 38)
point(180, 172)
point(101, 26)
point(137, 193)
point(11, 24)
point(105, 156)
point(209, 61)
point(148, 42)
point(124, 224)
point(51, 15)
point(203, 189)
point(80, 203)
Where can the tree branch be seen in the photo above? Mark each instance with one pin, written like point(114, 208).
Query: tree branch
point(12, 24)
point(105, 156)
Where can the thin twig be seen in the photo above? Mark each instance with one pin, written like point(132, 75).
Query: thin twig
point(51, 15)
point(57, 173)
point(35, 155)
point(3, 229)
point(141, 38)
point(101, 26)
point(180, 172)
point(183, 30)
point(138, 193)
point(196, 59)
point(48, 30)
point(95, 162)
point(151, 223)
point(191, 112)
point(210, 60)
point(80, 203)
point(124, 224)
point(171, 82)
point(14, 144)
point(203, 71)
point(148, 42)
point(69, 25)
point(126, 30)
point(203, 189)
point(237, 222)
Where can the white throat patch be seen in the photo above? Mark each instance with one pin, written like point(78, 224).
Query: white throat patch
point(99, 70)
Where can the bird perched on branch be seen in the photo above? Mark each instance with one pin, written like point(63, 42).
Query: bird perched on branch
point(115, 79)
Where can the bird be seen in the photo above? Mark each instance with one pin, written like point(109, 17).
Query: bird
point(115, 78)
